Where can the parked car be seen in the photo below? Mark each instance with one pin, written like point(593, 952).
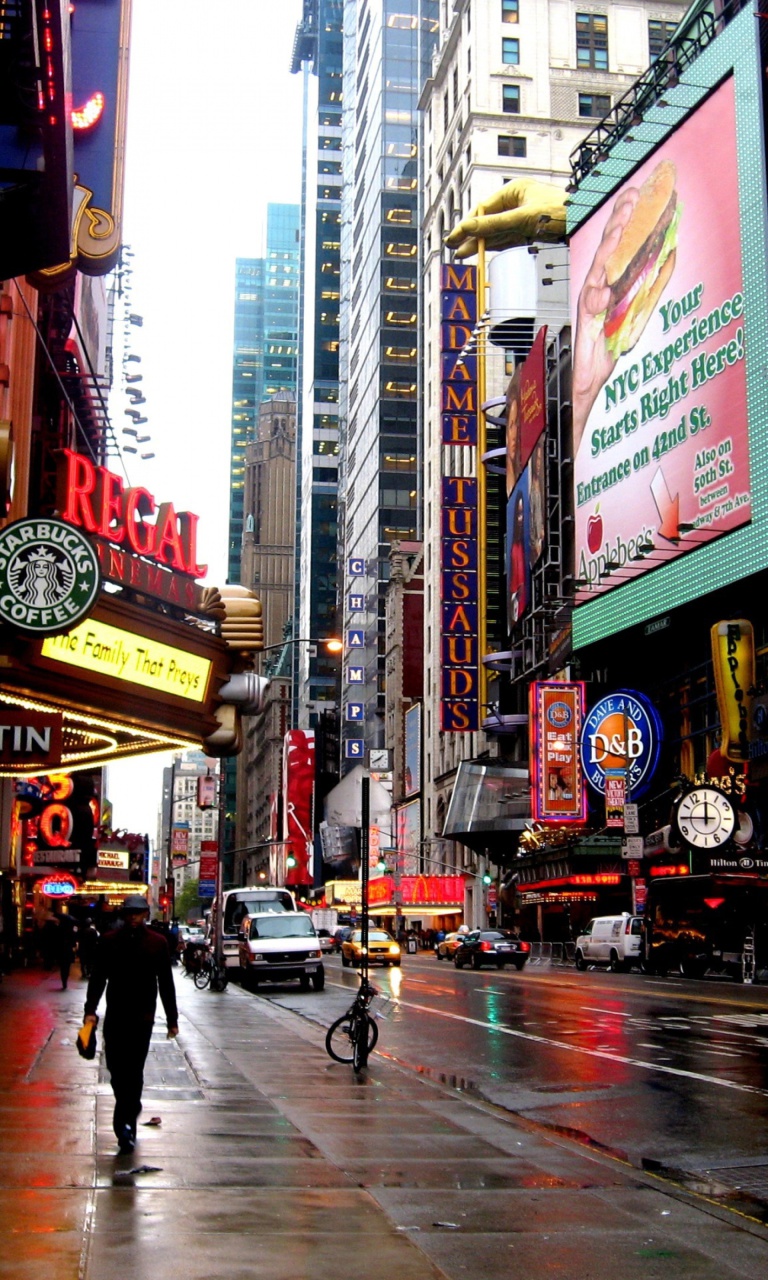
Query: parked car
point(382, 949)
point(613, 940)
point(190, 933)
point(326, 940)
point(342, 934)
point(444, 950)
point(275, 947)
point(491, 946)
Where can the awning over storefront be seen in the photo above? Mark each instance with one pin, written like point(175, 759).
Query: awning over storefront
point(489, 803)
point(126, 682)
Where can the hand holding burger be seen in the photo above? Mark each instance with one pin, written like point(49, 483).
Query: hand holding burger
point(631, 268)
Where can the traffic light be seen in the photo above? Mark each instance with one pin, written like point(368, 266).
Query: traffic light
point(487, 879)
point(290, 861)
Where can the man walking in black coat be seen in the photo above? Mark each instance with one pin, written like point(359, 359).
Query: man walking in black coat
point(132, 963)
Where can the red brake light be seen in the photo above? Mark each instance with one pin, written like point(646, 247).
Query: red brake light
point(525, 946)
point(486, 946)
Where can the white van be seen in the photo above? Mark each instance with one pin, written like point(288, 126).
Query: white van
point(238, 904)
point(613, 940)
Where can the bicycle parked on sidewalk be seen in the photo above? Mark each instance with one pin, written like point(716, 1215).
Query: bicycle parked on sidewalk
point(206, 971)
point(353, 1036)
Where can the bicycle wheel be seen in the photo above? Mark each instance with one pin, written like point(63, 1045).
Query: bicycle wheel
point(219, 978)
point(203, 977)
point(338, 1041)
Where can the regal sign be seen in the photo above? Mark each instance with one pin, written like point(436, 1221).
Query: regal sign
point(95, 500)
point(460, 681)
point(458, 371)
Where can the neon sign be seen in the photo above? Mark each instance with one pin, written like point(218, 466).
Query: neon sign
point(123, 655)
point(460, 691)
point(95, 500)
point(621, 733)
point(458, 369)
point(58, 887)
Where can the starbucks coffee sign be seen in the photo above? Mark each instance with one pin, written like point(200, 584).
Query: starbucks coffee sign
point(49, 576)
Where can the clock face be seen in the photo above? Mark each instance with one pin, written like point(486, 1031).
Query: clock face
point(706, 818)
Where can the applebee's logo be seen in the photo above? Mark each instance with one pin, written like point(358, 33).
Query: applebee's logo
point(616, 553)
point(622, 733)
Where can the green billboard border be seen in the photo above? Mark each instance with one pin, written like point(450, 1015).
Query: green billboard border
point(745, 551)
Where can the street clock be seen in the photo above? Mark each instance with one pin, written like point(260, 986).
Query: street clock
point(706, 818)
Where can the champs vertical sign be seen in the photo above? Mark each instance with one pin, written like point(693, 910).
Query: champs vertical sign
point(460, 685)
point(458, 368)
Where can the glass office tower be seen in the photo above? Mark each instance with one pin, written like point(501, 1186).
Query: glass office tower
point(265, 358)
point(318, 51)
point(388, 48)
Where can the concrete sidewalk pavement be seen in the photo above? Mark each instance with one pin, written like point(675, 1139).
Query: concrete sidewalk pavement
point(273, 1162)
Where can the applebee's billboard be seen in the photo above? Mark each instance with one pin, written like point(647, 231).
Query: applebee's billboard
point(659, 389)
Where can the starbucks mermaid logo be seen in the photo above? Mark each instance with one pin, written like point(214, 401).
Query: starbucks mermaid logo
point(49, 576)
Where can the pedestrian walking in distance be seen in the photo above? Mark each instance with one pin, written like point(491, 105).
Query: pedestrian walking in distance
point(65, 949)
point(132, 963)
point(87, 942)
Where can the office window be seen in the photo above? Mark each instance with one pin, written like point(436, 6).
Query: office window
point(594, 104)
point(658, 35)
point(510, 10)
point(510, 99)
point(455, 87)
point(510, 52)
point(509, 146)
point(592, 41)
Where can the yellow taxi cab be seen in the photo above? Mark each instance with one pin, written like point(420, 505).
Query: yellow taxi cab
point(382, 949)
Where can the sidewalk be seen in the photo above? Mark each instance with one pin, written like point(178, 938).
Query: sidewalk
point(274, 1163)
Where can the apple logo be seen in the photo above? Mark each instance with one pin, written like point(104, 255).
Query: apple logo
point(595, 531)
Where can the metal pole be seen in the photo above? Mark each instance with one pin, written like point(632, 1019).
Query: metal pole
point(365, 824)
point(217, 921)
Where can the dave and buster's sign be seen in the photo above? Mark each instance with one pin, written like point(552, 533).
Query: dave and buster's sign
point(622, 733)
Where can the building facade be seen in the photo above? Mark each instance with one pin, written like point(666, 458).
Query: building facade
point(513, 88)
point(387, 52)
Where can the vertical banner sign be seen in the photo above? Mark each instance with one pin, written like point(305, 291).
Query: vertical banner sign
point(526, 476)
point(458, 367)
point(615, 797)
point(412, 779)
point(179, 846)
point(460, 682)
point(298, 802)
point(557, 781)
point(733, 657)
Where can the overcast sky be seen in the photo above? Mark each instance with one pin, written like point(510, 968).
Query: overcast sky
point(214, 135)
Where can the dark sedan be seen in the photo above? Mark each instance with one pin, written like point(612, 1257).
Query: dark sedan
point(491, 946)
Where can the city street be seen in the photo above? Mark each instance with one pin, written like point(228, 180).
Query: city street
point(660, 1071)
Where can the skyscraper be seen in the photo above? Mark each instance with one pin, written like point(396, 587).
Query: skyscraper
point(387, 56)
point(265, 357)
point(265, 362)
point(318, 50)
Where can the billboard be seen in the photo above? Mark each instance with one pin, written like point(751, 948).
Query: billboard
point(526, 408)
point(661, 450)
point(526, 529)
point(558, 793)
point(299, 802)
point(412, 779)
point(408, 836)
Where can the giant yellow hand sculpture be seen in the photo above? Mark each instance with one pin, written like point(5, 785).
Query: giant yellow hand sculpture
point(523, 211)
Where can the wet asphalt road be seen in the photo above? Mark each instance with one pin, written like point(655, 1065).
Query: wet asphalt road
point(666, 1070)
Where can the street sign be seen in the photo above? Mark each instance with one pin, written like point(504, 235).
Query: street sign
point(633, 868)
point(631, 819)
point(632, 847)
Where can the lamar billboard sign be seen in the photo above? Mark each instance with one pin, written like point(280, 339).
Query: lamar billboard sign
point(659, 383)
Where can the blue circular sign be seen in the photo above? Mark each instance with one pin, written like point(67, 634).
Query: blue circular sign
point(559, 715)
point(621, 736)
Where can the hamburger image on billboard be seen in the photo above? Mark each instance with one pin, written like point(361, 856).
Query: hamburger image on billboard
point(661, 448)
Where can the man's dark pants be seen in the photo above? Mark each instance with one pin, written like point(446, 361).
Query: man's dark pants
point(126, 1045)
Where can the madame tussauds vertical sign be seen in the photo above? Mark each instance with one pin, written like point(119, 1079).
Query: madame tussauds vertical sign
point(661, 449)
point(458, 358)
point(460, 681)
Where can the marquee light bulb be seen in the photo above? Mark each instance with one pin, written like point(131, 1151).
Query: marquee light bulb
point(85, 117)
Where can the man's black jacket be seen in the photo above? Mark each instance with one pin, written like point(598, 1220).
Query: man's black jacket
point(132, 964)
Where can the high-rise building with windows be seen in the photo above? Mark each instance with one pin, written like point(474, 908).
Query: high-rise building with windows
point(265, 357)
point(318, 52)
point(387, 56)
point(265, 363)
